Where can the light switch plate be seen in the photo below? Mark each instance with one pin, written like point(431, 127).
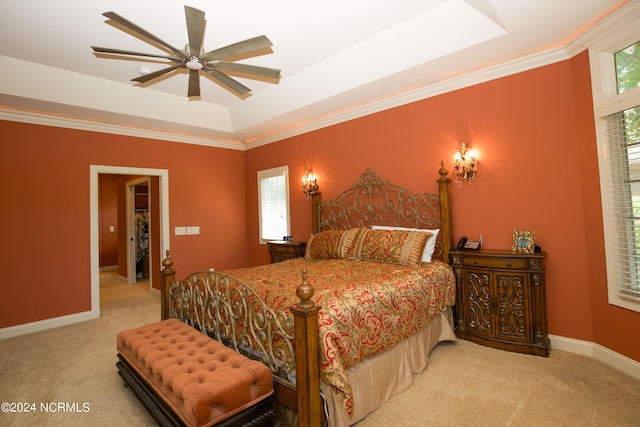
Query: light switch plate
point(180, 231)
point(194, 229)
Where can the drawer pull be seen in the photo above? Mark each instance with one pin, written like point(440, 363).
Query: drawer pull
point(508, 265)
point(475, 262)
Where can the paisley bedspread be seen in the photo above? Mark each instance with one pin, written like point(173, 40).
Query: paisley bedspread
point(366, 307)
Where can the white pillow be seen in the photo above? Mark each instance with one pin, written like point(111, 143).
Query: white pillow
point(429, 248)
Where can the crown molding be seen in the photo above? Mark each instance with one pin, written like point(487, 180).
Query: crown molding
point(42, 119)
point(600, 34)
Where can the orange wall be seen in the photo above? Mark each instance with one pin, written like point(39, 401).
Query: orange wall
point(44, 220)
point(155, 232)
point(108, 217)
point(122, 220)
point(538, 171)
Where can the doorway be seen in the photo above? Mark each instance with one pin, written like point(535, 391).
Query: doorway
point(163, 226)
point(139, 235)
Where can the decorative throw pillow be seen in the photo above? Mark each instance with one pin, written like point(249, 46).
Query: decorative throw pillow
point(429, 248)
point(393, 246)
point(331, 244)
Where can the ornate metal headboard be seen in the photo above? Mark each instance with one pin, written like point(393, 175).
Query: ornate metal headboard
point(374, 201)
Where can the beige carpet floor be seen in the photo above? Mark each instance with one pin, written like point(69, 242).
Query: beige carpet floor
point(75, 364)
point(469, 385)
point(464, 384)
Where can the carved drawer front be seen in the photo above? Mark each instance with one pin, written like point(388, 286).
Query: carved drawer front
point(481, 305)
point(512, 302)
point(497, 263)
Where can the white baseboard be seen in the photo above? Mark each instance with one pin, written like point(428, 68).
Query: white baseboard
point(603, 354)
point(41, 325)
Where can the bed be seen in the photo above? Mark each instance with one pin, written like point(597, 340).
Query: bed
point(344, 328)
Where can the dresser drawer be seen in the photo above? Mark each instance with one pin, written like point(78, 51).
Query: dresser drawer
point(284, 250)
point(496, 262)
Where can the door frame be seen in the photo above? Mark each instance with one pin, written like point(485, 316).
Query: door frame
point(94, 234)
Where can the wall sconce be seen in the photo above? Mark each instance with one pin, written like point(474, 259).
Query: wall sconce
point(309, 184)
point(466, 164)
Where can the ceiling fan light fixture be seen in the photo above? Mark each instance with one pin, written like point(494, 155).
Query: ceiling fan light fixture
point(193, 63)
point(196, 59)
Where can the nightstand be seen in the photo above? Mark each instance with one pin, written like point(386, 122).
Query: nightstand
point(282, 250)
point(501, 300)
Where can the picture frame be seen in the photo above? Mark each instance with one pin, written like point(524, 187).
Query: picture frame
point(523, 242)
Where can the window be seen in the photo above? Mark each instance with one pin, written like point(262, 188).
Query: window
point(615, 70)
point(273, 203)
point(627, 67)
point(624, 161)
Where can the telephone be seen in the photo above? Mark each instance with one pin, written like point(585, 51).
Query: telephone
point(465, 243)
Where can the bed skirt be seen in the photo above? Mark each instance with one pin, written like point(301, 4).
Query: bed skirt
point(367, 377)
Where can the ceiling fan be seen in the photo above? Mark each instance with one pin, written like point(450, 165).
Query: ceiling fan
point(217, 63)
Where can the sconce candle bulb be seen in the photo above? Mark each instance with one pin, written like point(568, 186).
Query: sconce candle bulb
point(466, 164)
point(309, 184)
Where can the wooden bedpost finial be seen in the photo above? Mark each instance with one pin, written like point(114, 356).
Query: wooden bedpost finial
point(168, 276)
point(443, 171)
point(167, 262)
point(305, 291)
point(305, 320)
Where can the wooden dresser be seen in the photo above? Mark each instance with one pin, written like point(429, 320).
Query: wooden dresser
point(281, 250)
point(501, 300)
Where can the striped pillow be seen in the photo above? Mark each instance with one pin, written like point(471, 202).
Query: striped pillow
point(332, 244)
point(392, 246)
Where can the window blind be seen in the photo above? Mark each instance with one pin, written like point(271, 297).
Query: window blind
point(623, 145)
point(274, 224)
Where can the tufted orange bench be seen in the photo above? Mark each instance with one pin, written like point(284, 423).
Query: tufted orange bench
point(186, 378)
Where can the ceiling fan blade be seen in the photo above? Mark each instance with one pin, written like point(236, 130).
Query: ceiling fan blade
point(228, 82)
point(130, 25)
point(194, 83)
point(146, 77)
point(132, 53)
point(258, 44)
point(195, 28)
point(254, 72)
